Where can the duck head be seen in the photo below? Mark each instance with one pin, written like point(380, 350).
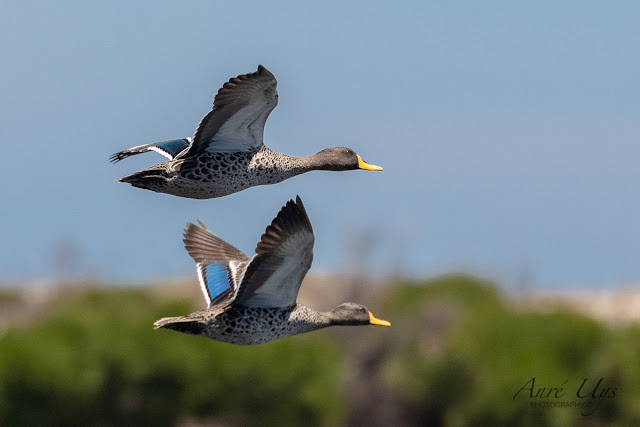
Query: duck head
point(350, 314)
point(341, 159)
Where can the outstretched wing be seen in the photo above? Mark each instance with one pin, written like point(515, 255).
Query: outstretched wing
point(220, 265)
point(169, 149)
point(283, 257)
point(240, 111)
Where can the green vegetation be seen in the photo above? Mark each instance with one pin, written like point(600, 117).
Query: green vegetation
point(97, 359)
point(457, 353)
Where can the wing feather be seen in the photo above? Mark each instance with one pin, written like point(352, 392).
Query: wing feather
point(240, 111)
point(283, 258)
point(220, 265)
point(169, 149)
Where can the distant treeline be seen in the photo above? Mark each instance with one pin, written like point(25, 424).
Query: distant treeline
point(456, 354)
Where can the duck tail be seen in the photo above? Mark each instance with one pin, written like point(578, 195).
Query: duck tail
point(148, 178)
point(180, 324)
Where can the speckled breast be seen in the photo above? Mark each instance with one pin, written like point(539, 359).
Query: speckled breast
point(257, 325)
point(210, 175)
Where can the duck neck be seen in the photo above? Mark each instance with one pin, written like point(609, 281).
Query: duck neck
point(290, 165)
point(310, 319)
point(315, 162)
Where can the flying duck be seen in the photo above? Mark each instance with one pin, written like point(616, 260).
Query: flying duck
point(226, 154)
point(253, 300)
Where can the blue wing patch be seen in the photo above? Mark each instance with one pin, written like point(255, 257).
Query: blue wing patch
point(215, 279)
point(172, 148)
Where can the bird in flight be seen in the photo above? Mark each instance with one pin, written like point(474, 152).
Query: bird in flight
point(226, 153)
point(253, 300)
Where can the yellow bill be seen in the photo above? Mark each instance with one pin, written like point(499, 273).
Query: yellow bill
point(374, 321)
point(364, 165)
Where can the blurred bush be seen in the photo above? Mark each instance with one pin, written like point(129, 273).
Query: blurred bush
point(97, 360)
point(456, 354)
point(466, 352)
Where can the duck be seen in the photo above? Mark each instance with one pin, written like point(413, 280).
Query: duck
point(227, 154)
point(253, 300)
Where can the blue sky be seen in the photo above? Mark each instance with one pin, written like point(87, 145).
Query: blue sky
point(508, 133)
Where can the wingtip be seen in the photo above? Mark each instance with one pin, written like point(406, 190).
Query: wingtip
point(187, 230)
point(297, 205)
point(263, 70)
point(293, 205)
point(120, 155)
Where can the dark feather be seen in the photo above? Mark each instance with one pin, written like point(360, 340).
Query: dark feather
point(234, 95)
point(286, 251)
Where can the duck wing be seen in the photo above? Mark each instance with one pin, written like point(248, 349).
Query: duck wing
point(220, 265)
point(283, 257)
point(240, 111)
point(170, 149)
